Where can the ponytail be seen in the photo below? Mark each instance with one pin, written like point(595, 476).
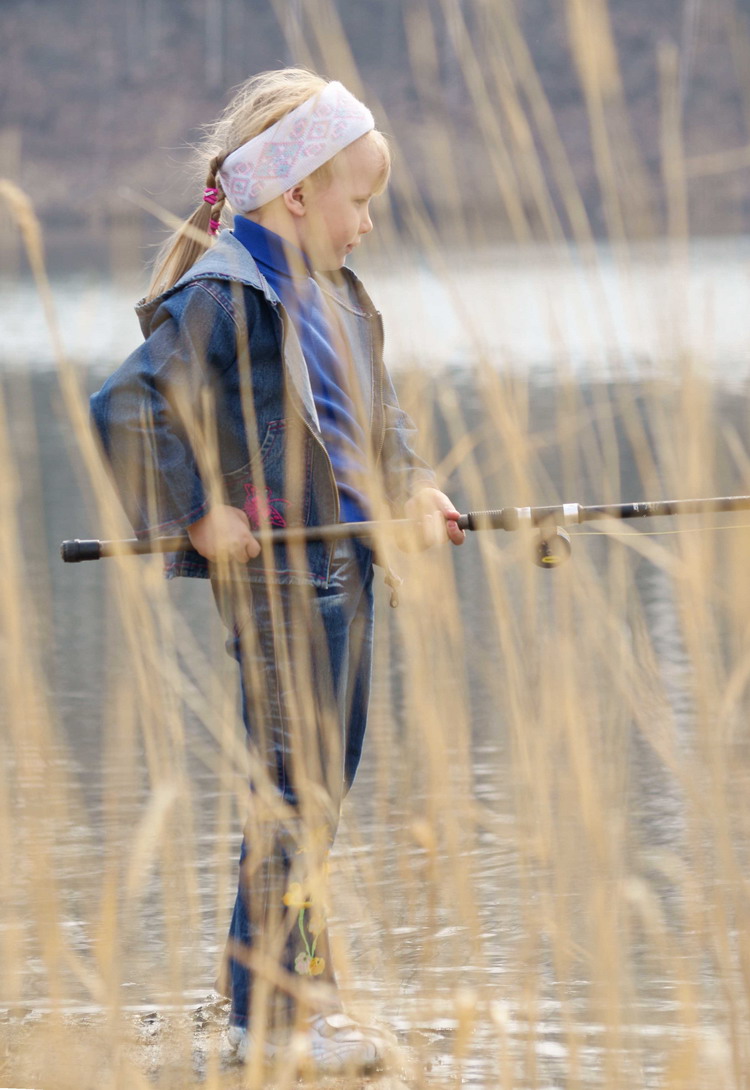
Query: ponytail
point(257, 104)
point(182, 250)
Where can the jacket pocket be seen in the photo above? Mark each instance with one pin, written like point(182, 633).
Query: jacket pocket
point(257, 486)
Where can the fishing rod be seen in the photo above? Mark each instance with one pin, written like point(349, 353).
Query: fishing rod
point(552, 545)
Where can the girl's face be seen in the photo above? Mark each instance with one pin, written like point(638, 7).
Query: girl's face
point(337, 212)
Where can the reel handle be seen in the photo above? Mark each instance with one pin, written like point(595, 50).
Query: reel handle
point(552, 548)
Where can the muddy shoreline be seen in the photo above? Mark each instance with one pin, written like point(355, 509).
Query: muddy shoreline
point(152, 1049)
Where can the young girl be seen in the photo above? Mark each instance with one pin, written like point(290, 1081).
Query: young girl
point(259, 399)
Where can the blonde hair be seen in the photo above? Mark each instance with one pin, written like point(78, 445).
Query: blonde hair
point(255, 106)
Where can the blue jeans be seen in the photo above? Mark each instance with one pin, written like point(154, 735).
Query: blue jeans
point(305, 657)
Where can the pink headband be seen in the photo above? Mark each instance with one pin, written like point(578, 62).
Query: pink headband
point(300, 142)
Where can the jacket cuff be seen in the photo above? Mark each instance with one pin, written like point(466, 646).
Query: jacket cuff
point(175, 525)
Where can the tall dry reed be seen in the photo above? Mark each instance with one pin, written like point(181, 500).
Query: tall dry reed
point(540, 876)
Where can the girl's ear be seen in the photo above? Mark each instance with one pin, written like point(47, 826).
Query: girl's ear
point(295, 199)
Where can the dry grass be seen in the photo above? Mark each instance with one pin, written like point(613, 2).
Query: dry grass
point(540, 879)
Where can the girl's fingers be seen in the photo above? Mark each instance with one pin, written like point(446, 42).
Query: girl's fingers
point(224, 534)
point(252, 548)
point(455, 535)
point(244, 549)
point(437, 525)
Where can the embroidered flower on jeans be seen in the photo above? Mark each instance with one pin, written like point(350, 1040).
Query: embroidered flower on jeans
point(309, 966)
point(302, 964)
point(310, 929)
point(295, 898)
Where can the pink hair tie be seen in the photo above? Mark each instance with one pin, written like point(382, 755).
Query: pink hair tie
point(213, 226)
point(210, 195)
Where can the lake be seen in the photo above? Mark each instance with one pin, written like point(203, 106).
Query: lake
point(540, 874)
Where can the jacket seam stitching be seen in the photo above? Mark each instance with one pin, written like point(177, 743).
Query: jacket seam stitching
point(219, 302)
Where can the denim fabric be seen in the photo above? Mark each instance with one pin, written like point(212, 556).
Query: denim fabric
point(221, 370)
point(290, 274)
point(305, 658)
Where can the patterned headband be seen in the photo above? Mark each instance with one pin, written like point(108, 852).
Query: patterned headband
point(301, 141)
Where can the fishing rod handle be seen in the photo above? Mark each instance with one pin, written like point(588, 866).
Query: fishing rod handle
point(512, 518)
point(75, 551)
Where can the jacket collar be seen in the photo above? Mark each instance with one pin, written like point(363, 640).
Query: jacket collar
point(227, 260)
point(230, 261)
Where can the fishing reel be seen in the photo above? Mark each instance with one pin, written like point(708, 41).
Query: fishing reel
point(552, 547)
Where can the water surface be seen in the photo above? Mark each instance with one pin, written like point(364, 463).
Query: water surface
point(518, 950)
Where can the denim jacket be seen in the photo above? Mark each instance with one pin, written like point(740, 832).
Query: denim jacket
point(219, 395)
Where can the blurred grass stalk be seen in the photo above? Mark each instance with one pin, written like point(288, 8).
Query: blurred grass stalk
point(566, 923)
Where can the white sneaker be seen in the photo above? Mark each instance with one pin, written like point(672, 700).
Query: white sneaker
point(333, 1044)
point(236, 1041)
point(338, 1045)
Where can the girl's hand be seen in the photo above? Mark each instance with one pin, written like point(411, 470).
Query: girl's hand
point(224, 534)
point(437, 517)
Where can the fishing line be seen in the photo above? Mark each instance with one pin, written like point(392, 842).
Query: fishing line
point(659, 533)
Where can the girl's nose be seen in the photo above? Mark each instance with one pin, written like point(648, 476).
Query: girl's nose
point(365, 224)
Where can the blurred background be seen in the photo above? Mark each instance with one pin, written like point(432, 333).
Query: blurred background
point(99, 95)
point(514, 126)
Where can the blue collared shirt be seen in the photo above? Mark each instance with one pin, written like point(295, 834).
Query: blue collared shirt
point(288, 271)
